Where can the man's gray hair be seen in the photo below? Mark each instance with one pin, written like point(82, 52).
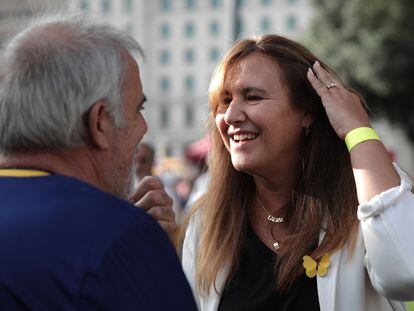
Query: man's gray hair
point(52, 73)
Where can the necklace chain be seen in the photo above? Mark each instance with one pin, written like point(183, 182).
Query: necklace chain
point(275, 244)
point(270, 217)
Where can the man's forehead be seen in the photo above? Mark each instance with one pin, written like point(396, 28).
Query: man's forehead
point(133, 72)
point(131, 60)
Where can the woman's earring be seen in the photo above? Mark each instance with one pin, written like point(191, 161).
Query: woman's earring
point(307, 130)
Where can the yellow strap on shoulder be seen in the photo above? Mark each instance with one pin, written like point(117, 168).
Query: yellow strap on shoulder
point(359, 135)
point(22, 173)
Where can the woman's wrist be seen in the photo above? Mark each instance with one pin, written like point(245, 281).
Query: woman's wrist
point(359, 135)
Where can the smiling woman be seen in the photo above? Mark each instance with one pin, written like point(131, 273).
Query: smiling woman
point(279, 117)
point(254, 98)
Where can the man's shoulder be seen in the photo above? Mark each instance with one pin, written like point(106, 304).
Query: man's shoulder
point(100, 206)
point(66, 205)
point(66, 191)
point(69, 186)
point(99, 247)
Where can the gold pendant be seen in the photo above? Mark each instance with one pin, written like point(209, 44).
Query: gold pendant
point(275, 219)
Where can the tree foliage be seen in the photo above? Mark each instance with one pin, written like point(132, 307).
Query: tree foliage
point(370, 43)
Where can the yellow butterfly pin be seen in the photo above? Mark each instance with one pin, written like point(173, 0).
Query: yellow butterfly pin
point(312, 268)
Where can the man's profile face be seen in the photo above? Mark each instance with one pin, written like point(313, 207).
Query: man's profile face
point(128, 137)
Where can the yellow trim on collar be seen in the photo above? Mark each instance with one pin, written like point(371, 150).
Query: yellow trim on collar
point(22, 173)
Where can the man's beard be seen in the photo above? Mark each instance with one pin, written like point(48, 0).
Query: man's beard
point(120, 179)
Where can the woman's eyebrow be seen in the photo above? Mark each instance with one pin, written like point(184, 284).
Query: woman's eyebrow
point(252, 89)
point(246, 90)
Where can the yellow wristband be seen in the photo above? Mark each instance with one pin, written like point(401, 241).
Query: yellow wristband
point(359, 135)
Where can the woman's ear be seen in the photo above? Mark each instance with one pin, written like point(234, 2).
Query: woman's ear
point(100, 126)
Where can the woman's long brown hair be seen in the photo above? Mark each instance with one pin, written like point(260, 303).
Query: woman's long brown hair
point(325, 194)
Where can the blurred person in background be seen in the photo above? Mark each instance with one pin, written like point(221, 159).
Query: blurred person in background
point(197, 154)
point(144, 165)
point(70, 121)
point(296, 218)
point(170, 181)
point(144, 161)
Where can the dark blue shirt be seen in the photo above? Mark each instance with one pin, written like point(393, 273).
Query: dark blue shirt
point(65, 245)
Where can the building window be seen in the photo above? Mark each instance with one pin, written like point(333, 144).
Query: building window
point(190, 4)
point(164, 116)
point(265, 24)
point(189, 29)
point(214, 28)
point(214, 54)
point(291, 22)
point(215, 3)
point(189, 83)
point(189, 56)
point(166, 5)
point(106, 6)
point(189, 115)
point(165, 31)
point(165, 57)
point(240, 26)
point(241, 3)
point(84, 5)
point(266, 2)
point(165, 84)
point(128, 5)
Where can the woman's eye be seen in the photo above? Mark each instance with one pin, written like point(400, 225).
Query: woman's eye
point(254, 97)
point(227, 101)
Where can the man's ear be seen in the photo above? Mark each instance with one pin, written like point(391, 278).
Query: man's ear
point(100, 126)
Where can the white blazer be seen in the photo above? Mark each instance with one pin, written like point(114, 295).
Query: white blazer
point(380, 272)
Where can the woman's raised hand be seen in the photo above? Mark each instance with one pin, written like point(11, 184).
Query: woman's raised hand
point(343, 108)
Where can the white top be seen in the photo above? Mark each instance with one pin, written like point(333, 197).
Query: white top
point(379, 273)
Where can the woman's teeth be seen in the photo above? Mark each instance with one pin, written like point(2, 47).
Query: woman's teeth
point(241, 137)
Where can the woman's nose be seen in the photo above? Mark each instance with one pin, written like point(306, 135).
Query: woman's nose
point(235, 113)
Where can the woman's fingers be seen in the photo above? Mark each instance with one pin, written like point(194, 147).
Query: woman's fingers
point(155, 198)
point(162, 213)
point(169, 227)
point(343, 108)
point(152, 197)
point(323, 75)
point(319, 87)
point(147, 184)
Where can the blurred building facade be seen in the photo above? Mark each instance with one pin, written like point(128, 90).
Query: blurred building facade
point(13, 13)
point(183, 40)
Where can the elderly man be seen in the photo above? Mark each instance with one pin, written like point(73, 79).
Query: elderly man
point(70, 122)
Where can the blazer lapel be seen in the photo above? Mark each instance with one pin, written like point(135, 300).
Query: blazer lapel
point(211, 303)
point(327, 284)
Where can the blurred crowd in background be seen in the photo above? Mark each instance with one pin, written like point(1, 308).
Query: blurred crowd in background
point(185, 178)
